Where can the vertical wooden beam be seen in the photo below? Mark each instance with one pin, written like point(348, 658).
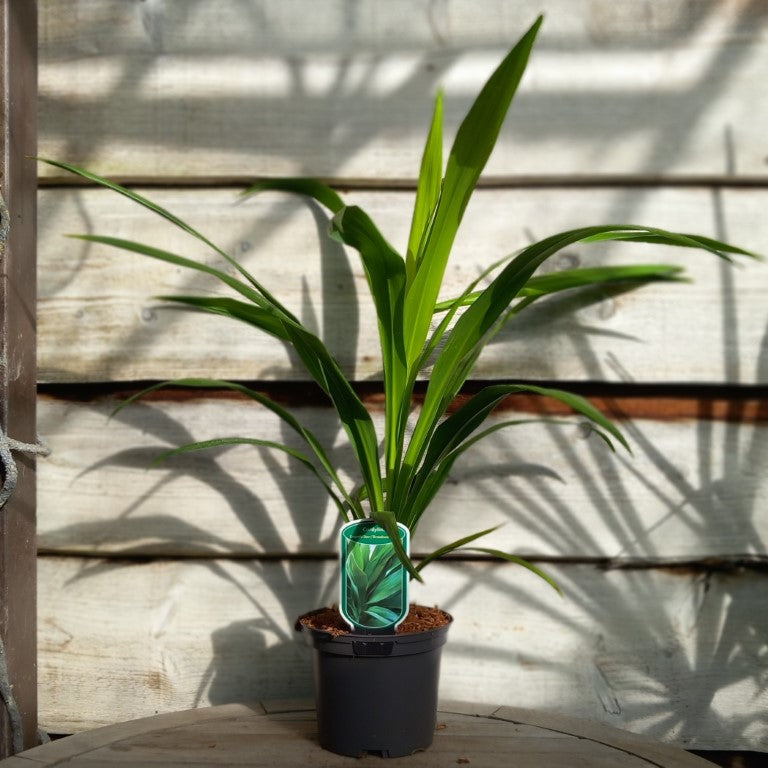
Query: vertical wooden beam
point(18, 621)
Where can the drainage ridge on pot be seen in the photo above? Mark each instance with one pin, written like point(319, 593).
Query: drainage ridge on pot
point(376, 693)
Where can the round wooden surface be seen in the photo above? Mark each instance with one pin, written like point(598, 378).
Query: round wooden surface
point(273, 734)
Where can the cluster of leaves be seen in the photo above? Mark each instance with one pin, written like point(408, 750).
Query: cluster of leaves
point(416, 329)
point(374, 584)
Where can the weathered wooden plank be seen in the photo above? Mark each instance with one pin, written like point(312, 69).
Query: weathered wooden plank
point(343, 90)
point(674, 655)
point(711, 331)
point(18, 674)
point(692, 489)
point(246, 735)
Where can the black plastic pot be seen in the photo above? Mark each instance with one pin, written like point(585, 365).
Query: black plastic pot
point(376, 693)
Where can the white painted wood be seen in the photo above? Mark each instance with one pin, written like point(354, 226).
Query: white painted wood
point(710, 331)
point(691, 489)
point(671, 655)
point(208, 91)
point(344, 89)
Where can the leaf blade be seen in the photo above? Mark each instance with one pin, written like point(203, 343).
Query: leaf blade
point(312, 188)
point(471, 149)
point(427, 189)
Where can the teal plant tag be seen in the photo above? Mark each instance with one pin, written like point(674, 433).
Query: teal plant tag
point(374, 583)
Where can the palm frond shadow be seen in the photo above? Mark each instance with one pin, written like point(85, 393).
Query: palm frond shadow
point(163, 535)
point(732, 634)
point(660, 637)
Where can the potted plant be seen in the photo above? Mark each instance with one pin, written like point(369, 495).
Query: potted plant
point(377, 685)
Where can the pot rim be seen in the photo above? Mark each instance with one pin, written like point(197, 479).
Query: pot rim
point(300, 627)
point(431, 638)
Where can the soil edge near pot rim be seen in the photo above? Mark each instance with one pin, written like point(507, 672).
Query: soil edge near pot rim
point(347, 635)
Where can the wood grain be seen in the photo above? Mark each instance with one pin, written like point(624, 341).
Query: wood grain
point(99, 320)
point(138, 90)
point(175, 587)
point(18, 678)
point(690, 490)
point(268, 734)
point(645, 650)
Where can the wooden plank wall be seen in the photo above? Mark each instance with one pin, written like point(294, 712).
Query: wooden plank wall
point(178, 586)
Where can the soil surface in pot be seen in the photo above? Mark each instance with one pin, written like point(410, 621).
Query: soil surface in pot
point(419, 619)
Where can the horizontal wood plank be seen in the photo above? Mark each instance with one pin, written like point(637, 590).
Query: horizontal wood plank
point(693, 488)
point(666, 653)
point(195, 94)
point(98, 320)
point(344, 90)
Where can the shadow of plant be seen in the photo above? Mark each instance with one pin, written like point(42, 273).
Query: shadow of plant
point(711, 639)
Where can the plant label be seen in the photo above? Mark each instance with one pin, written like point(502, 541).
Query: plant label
point(374, 583)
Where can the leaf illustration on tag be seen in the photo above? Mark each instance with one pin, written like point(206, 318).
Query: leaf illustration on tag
point(374, 581)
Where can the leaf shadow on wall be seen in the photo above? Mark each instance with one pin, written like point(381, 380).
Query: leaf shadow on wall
point(731, 631)
point(662, 563)
point(133, 533)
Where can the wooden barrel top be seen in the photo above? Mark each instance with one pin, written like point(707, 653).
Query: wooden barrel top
point(284, 733)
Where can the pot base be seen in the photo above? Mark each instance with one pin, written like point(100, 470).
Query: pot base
point(376, 694)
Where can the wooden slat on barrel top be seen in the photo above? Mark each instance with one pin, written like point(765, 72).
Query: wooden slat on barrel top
point(268, 734)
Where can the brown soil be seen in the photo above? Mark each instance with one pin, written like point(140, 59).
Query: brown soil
point(419, 619)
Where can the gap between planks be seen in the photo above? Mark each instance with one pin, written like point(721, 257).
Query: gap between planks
point(609, 181)
point(728, 564)
point(743, 404)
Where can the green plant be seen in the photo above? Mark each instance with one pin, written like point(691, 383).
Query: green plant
point(417, 330)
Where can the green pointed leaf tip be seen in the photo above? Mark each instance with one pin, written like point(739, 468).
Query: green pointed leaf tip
point(416, 462)
point(311, 188)
point(428, 188)
point(471, 149)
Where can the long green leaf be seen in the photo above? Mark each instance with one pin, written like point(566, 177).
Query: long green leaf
point(451, 308)
point(236, 310)
point(438, 553)
point(461, 424)
point(471, 149)
point(428, 188)
point(567, 279)
point(452, 433)
point(427, 484)
point(157, 253)
point(300, 186)
point(684, 240)
point(168, 216)
point(229, 441)
point(352, 413)
point(470, 333)
point(460, 544)
point(385, 271)
point(306, 434)
point(387, 520)
point(519, 561)
point(323, 368)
